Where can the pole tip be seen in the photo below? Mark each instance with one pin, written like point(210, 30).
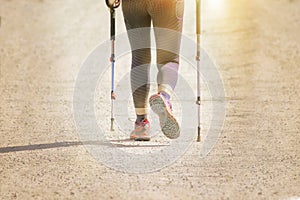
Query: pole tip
point(112, 124)
point(199, 136)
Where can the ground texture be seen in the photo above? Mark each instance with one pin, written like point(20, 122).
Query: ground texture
point(256, 47)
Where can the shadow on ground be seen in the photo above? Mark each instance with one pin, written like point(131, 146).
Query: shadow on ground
point(33, 147)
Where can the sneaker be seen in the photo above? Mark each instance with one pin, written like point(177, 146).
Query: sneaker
point(141, 131)
point(163, 108)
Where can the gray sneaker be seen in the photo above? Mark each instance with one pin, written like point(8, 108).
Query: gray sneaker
point(163, 108)
point(141, 131)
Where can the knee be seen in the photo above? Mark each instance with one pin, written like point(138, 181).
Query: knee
point(141, 57)
point(164, 57)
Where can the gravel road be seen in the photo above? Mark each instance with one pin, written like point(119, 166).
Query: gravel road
point(255, 46)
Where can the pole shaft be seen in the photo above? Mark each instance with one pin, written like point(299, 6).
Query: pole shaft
point(198, 33)
point(112, 59)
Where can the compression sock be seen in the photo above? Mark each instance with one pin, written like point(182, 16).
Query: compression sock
point(140, 118)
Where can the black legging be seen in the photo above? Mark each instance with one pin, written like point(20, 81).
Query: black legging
point(167, 14)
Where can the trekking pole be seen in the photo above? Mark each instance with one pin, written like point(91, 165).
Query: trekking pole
point(198, 32)
point(112, 4)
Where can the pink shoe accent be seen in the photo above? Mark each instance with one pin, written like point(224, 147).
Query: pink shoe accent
point(141, 131)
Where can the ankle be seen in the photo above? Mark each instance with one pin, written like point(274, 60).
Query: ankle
point(140, 118)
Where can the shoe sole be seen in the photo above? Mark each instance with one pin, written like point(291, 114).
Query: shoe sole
point(139, 138)
point(169, 124)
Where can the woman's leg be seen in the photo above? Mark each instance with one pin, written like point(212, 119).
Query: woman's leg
point(167, 21)
point(167, 18)
point(138, 23)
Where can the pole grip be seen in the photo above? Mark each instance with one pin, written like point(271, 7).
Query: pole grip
point(112, 24)
point(198, 25)
point(198, 18)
